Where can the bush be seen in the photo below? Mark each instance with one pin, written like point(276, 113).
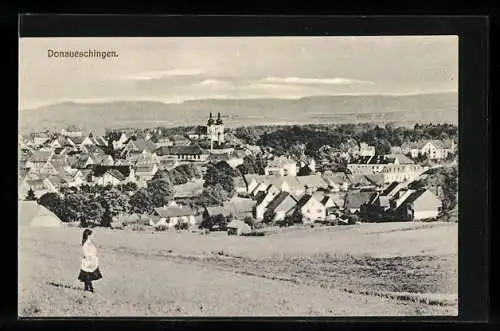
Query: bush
point(259, 225)
point(138, 227)
point(161, 227)
point(116, 225)
point(254, 234)
point(182, 226)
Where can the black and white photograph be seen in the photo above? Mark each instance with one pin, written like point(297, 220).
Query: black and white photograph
point(238, 176)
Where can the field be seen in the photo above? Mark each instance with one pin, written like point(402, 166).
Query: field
point(360, 270)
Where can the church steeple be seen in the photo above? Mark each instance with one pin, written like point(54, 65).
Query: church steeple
point(219, 121)
point(210, 120)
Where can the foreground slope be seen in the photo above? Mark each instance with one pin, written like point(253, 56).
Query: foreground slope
point(302, 272)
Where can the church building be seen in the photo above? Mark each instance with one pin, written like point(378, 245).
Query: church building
point(215, 129)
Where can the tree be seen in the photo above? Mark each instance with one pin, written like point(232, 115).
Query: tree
point(114, 203)
point(31, 195)
point(93, 213)
point(73, 207)
point(213, 196)
point(250, 221)
point(141, 202)
point(161, 191)
point(382, 147)
point(221, 174)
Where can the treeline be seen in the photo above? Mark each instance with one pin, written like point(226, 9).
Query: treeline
point(285, 138)
point(97, 205)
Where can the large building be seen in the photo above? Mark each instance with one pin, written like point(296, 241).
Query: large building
point(215, 129)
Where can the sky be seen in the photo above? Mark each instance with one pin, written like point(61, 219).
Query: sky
point(173, 70)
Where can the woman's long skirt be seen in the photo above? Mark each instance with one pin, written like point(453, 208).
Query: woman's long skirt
point(86, 276)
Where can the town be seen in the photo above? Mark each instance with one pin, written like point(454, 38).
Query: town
point(239, 180)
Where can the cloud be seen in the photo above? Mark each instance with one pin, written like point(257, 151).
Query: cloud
point(213, 82)
point(159, 74)
point(312, 81)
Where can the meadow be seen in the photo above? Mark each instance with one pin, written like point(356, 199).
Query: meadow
point(392, 269)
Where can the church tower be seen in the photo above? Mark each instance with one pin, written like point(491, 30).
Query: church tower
point(215, 129)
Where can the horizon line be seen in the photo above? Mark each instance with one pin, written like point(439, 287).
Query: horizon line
point(223, 98)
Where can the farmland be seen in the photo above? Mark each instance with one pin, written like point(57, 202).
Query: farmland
point(359, 270)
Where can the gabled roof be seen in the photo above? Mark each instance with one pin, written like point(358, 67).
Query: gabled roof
point(239, 206)
point(354, 199)
point(36, 184)
point(375, 179)
point(283, 201)
point(116, 174)
point(174, 211)
point(180, 150)
point(359, 180)
point(57, 180)
point(443, 144)
point(304, 200)
point(40, 156)
point(99, 170)
point(144, 145)
point(217, 210)
point(76, 140)
point(312, 181)
point(335, 178)
point(402, 159)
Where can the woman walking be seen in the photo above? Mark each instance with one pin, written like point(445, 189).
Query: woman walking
point(90, 263)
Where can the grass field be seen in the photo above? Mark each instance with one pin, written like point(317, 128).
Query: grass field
point(361, 270)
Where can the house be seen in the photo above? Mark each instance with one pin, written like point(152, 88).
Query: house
point(138, 146)
point(40, 138)
point(311, 209)
point(178, 140)
point(366, 150)
point(145, 159)
point(432, 149)
point(237, 228)
point(171, 216)
point(143, 174)
point(240, 207)
point(313, 182)
point(121, 141)
point(72, 131)
point(281, 206)
point(75, 141)
point(190, 153)
point(438, 149)
point(354, 200)
point(234, 158)
point(110, 177)
point(401, 173)
point(337, 181)
point(419, 205)
point(93, 149)
point(350, 147)
point(38, 160)
point(161, 141)
point(263, 198)
point(360, 181)
point(284, 183)
point(281, 166)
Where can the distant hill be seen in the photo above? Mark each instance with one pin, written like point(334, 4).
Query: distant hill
point(441, 107)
